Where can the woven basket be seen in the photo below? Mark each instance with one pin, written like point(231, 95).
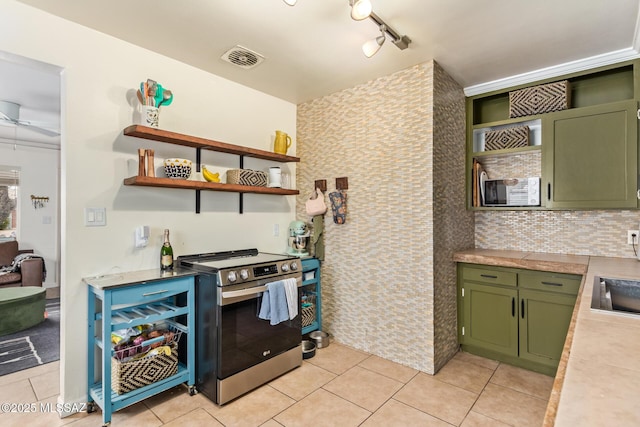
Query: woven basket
point(247, 177)
point(131, 375)
point(513, 137)
point(309, 313)
point(540, 99)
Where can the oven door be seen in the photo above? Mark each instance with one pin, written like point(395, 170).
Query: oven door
point(246, 340)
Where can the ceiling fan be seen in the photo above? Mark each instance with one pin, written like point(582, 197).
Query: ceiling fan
point(10, 113)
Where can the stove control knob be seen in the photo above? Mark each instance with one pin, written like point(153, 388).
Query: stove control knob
point(285, 267)
point(294, 266)
point(232, 276)
point(244, 274)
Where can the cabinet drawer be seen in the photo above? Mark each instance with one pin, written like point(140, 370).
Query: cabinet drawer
point(496, 277)
point(147, 292)
point(566, 284)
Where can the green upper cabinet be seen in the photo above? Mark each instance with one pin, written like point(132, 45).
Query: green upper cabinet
point(590, 157)
point(586, 156)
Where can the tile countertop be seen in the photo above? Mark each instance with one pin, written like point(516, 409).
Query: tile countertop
point(598, 379)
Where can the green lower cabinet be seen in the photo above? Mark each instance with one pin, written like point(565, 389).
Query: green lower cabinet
point(544, 321)
point(520, 317)
point(490, 317)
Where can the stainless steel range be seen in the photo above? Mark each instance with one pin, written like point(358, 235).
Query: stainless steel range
point(236, 351)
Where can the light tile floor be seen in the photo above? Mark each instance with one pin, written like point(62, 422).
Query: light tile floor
point(340, 386)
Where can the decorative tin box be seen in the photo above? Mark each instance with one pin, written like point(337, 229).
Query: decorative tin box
point(540, 99)
point(513, 137)
point(247, 177)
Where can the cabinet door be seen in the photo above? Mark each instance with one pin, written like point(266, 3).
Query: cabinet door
point(544, 322)
point(590, 157)
point(490, 318)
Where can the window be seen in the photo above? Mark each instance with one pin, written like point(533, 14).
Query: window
point(9, 183)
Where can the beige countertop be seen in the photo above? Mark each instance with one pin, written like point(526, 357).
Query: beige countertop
point(598, 379)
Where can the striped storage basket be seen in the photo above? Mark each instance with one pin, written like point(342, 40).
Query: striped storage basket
point(513, 137)
point(540, 99)
point(247, 177)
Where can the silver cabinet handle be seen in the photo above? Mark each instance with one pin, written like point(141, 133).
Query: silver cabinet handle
point(154, 293)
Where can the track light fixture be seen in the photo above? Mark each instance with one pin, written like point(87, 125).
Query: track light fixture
point(372, 46)
point(360, 9)
point(401, 42)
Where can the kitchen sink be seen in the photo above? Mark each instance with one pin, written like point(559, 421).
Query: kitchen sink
point(616, 295)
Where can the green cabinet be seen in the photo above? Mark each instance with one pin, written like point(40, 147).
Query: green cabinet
point(490, 318)
point(590, 157)
point(516, 316)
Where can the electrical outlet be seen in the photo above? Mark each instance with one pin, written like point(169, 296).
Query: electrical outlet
point(631, 240)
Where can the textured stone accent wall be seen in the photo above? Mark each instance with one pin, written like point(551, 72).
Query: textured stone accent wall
point(453, 225)
point(380, 271)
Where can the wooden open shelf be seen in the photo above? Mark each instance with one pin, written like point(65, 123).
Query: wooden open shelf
point(147, 181)
point(199, 144)
point(154, 134)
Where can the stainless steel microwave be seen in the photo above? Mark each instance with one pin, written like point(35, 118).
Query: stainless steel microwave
point(512, 192)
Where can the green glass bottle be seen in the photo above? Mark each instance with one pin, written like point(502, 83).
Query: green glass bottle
point(166, 253)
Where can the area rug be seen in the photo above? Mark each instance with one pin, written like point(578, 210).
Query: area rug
point(35, 346)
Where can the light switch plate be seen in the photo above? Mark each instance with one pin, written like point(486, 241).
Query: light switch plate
point(95, 217)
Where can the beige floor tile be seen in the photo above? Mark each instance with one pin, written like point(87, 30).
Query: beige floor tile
point(337, 358)
point(255, 408)
point(271, 423)
point(390, 369)
point(302, 381)
point(174, 403)
point(46, 385)
point(35, 415)
point(136, 415)
point(397, 414)
point(196, 418)
point(325, 409)
point(533, 383)
point(19, 392)
point(28, 373)
point(465, 375)
point(511, 406)
point(475, 419)
point(442, 400)
point(364, 388)
point(476, 360)
point(40, 414)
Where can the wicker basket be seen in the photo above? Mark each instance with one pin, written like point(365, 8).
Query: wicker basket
point(309, 312)
point(247, 177)
point(129, 375)
point(540, 99)
point(513, 137)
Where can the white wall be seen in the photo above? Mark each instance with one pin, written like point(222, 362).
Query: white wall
point(39, 171)
point(98, 96)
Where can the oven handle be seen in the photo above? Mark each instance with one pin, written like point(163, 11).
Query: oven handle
point(244, 292)
point(251, 291)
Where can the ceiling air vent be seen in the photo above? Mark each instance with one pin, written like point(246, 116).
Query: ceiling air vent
point(242, 57)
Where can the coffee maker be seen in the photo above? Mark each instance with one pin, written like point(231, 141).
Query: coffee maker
point(298, 241)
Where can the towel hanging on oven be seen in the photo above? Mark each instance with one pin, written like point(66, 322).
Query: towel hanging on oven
point(279, 301)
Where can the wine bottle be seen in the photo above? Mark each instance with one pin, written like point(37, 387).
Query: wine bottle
point(166, 253)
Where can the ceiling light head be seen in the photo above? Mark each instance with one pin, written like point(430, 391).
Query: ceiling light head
point(290, 2)
point(372, 46)
point(360, 9)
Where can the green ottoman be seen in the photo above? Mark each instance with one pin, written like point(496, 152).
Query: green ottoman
point(21, 308)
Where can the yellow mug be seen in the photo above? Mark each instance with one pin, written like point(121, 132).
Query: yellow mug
point(282, 142)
